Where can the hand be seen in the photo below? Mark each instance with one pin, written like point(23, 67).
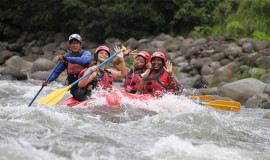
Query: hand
point(130, 52)
point(45, 84)
point(168, 68)
point(94, 68)
point(121, 54)
point(62, 58)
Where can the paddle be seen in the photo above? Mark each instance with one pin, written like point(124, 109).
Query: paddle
point(56, 96)
point(43, 86)
point(201, 98)
point(223, 105)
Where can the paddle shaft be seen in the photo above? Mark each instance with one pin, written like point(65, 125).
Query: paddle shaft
point(43, 86)
point(90, 72)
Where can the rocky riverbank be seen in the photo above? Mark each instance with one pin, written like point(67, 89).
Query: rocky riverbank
point(201, 63)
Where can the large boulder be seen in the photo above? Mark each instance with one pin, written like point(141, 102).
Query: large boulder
point(242, 90)
point(257, 100)
point(4, 55)
point(42, 64)
point(225, 73)
point(16, 74)
point(19, 63)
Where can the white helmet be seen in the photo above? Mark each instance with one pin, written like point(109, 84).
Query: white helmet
point(75, 36)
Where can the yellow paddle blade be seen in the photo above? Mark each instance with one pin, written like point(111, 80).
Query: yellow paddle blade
point(201, 98)
point(54, 97)
point(224, 105)
point(123, 48)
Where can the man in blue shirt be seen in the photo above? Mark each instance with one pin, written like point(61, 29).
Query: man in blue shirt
point(74, 62)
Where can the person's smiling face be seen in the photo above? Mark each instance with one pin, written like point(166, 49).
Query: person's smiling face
point(157, 63)
point(103, 55)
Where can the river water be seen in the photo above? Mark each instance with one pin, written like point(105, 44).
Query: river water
point(170, 128)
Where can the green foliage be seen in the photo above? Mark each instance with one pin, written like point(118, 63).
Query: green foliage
point(129, 63)
point(244, 74)
point(177, 73)
point(236, 28)
point(260, 36)
point(241, 75)
point(98, 20)
point(212, 85)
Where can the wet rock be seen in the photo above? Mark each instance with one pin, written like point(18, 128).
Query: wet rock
point(189, 82)
point(241, 90)
point(19, 63)
point(207, 91)
point(12, 71)
point(42, 64)
point(267, 115)
point(257, 100)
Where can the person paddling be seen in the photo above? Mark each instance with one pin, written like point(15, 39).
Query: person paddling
point(101, 78)
point(74, 62)
point(160, 79)
point(141, 66)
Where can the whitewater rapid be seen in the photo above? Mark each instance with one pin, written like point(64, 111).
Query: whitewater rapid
point(174, 128)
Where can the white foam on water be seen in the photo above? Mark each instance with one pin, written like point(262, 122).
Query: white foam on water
point(22, 149)
point(172, 147)
point(169, 103)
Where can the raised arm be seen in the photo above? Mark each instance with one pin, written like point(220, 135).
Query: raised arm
point(173, 82)
point(123, 69)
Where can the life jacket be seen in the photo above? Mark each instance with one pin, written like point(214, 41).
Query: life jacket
point(133, 79)
point(156, 85)
point(103, 81)
point(73, 70)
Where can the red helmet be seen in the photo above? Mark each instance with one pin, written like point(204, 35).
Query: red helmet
point(145, 55)
point(159, 55)
point(103, 48)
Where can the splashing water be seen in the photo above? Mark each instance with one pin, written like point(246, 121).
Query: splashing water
point(173, 127)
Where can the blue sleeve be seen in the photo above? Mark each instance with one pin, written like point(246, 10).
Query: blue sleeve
point(57, 72)
point(84, 59)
